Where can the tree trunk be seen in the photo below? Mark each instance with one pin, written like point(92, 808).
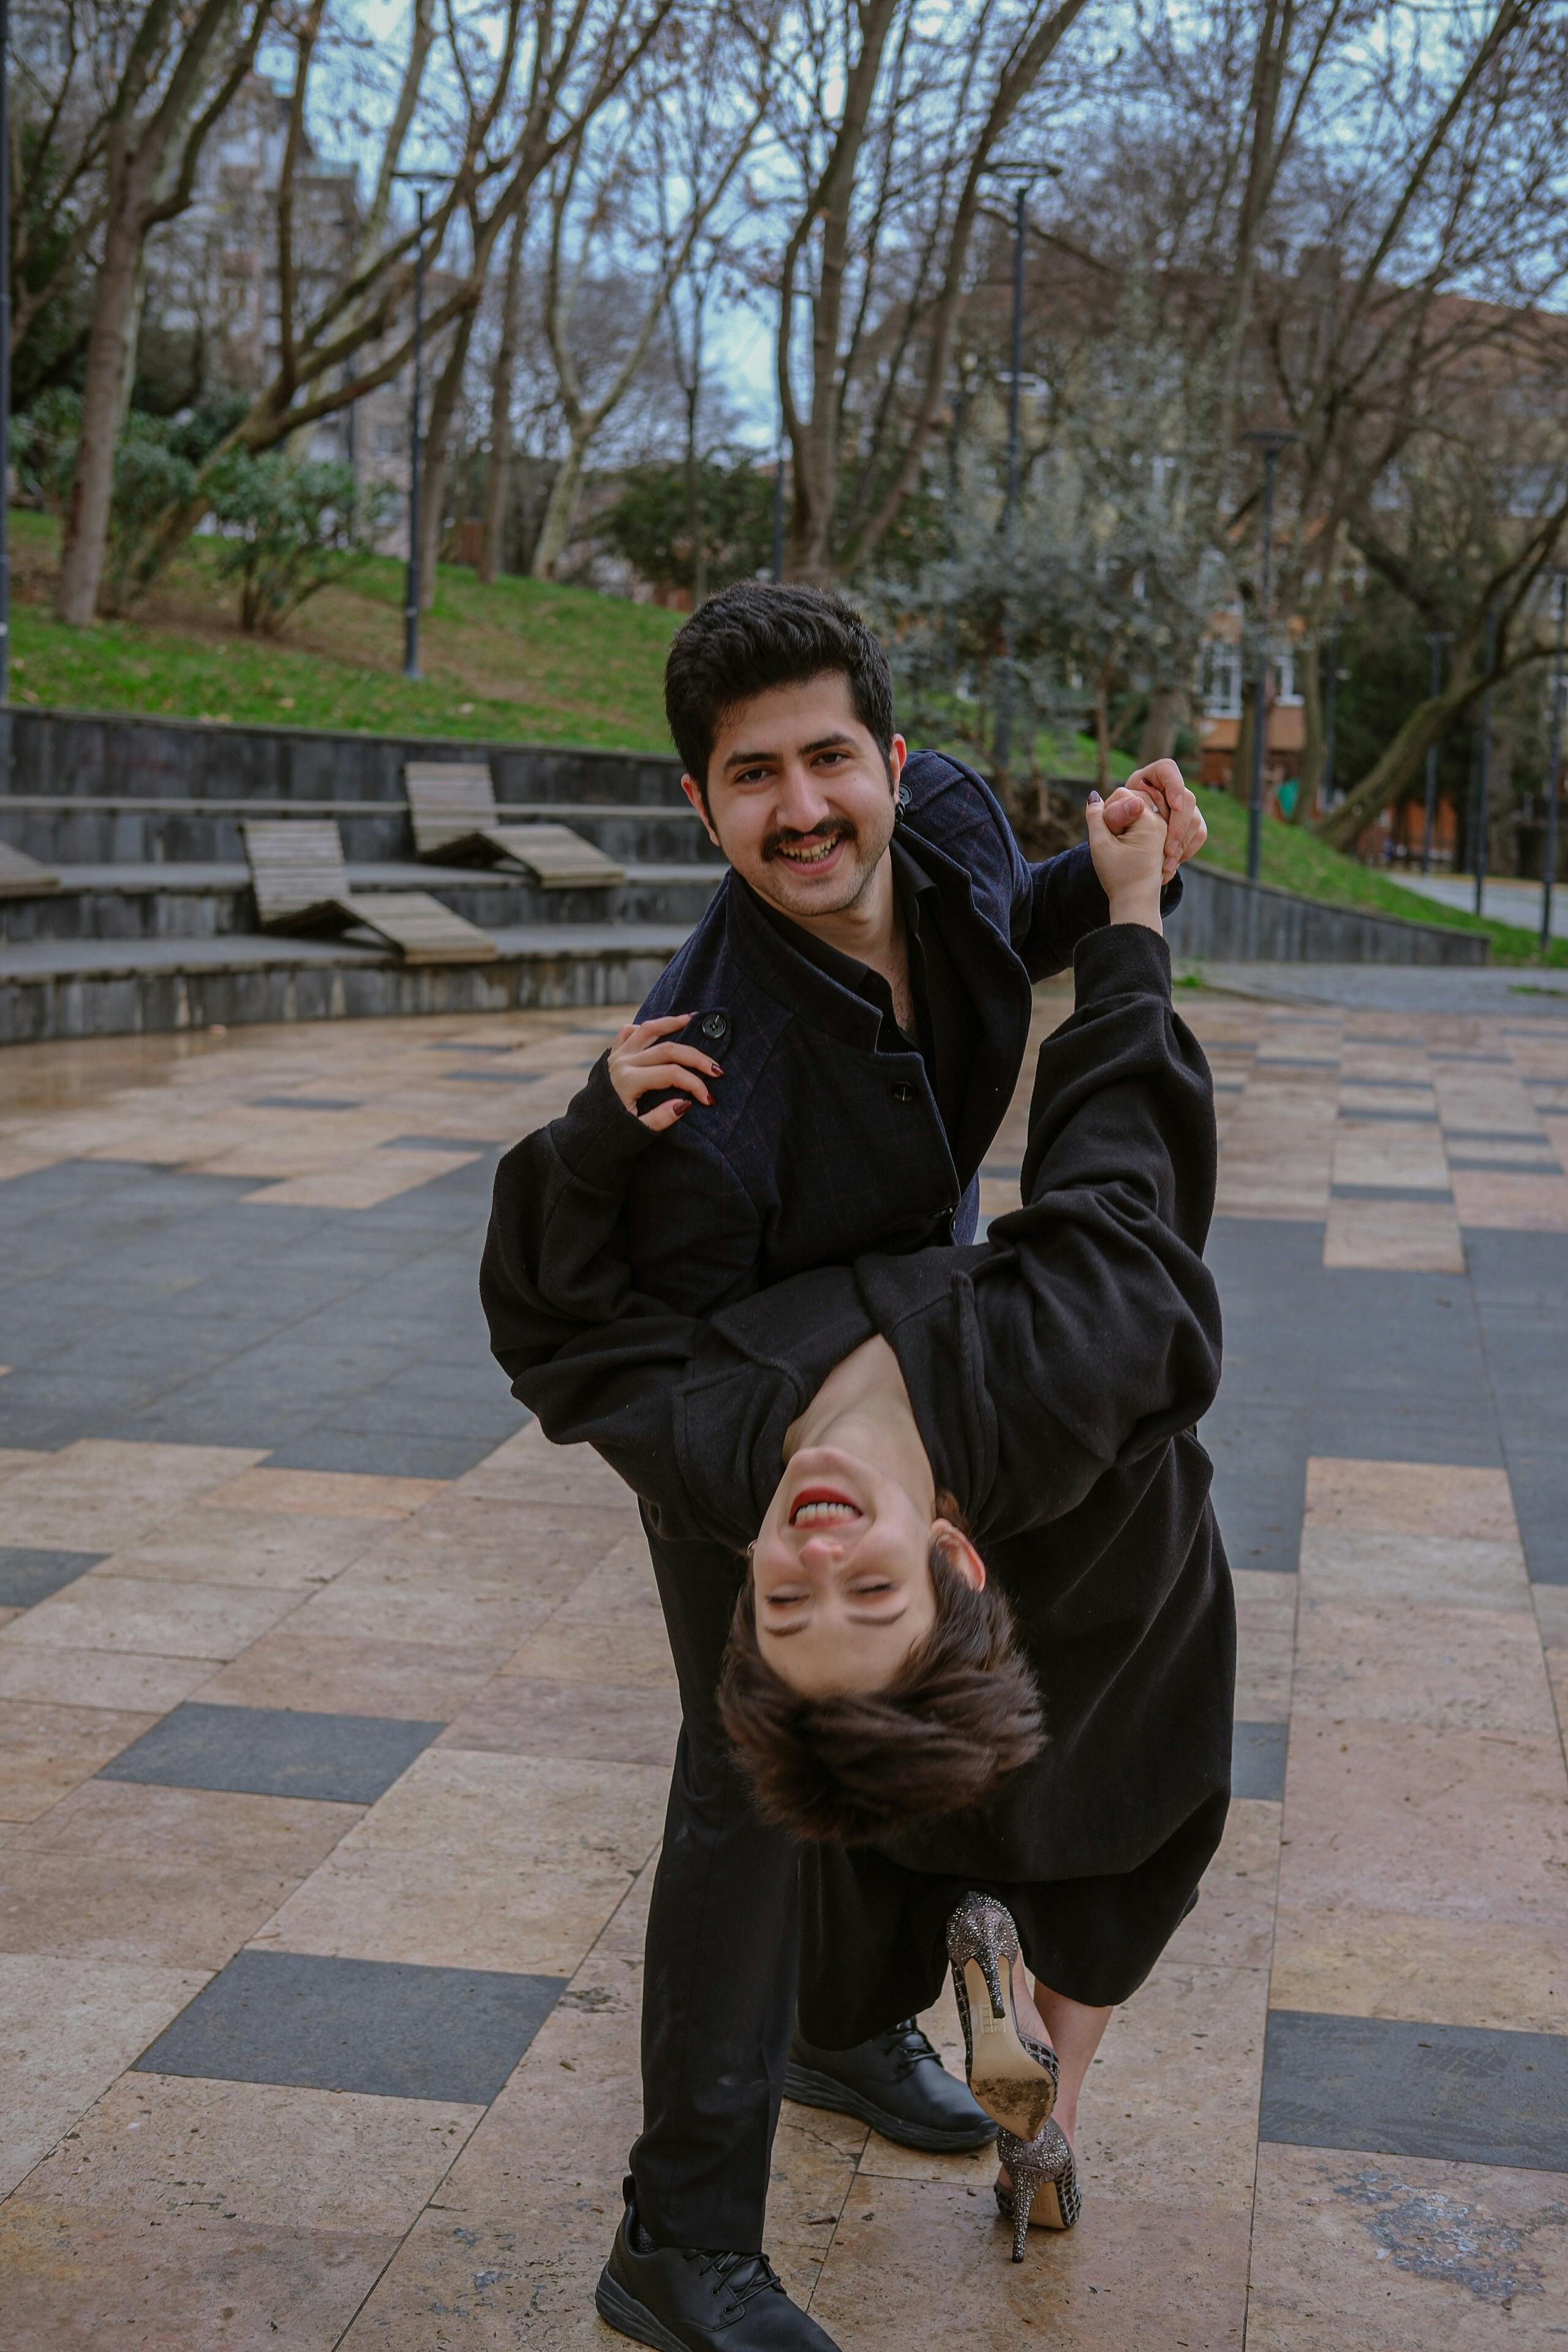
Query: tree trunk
point(498, 473)
point(1241, 764)
point(560, 510)
point(437, 437)
point(1101, 736)
point(109, 359)
point(1167, 710)
point(1365, 803)
point(1309, 785)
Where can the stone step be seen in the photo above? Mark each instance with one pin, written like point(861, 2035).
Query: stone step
point(53, 989)
point(136, 829)
point(127, 902)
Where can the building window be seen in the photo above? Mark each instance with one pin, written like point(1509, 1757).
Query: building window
point(1221, 679)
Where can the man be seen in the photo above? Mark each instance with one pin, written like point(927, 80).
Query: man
point(859, 1002)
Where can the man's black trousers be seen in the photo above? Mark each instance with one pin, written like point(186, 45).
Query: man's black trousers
point(719, 1989)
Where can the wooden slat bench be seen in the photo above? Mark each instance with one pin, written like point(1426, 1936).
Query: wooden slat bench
point(452, 806)
point(301, 884)
point(21, 876)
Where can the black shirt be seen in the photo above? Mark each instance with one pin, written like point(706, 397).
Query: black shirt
point(945, 1018)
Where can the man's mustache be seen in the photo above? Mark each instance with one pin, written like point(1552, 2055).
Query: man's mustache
point(837, 828)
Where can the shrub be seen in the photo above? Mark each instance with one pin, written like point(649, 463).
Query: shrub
point(287, 530)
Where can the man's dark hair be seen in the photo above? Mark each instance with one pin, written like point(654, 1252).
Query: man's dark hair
point(761, 634)
point(961, 1714)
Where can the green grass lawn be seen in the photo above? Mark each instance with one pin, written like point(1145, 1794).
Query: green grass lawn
point(522, 659)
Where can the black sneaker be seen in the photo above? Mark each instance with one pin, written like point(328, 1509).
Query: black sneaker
point(895, 2083)
point(679, 2299)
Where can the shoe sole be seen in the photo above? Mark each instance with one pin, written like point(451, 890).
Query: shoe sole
point(624, 2313)
point(809, 2089)
point(1013, 2087)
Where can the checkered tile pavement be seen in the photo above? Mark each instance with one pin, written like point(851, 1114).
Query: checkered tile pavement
point(335, 1714)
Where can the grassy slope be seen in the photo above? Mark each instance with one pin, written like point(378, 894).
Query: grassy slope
point(519, 660)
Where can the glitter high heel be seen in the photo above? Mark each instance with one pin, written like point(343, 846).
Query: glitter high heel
point(1011, 2072)
point(1045, 2184)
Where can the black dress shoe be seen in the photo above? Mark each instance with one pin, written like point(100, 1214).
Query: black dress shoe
point(895, 2083)
point(680, 2300)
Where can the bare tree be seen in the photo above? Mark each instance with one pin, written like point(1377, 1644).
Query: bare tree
point(181, 70)
point(666, 163)
point(504, 384)
point(893, 121)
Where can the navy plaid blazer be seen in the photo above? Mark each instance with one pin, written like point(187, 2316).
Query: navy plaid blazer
point(818, 1147)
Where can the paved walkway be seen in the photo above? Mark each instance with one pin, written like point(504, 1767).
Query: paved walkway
point(1505, 901)
point(335, 1714)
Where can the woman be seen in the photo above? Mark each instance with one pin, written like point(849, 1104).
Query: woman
point(993, 1468)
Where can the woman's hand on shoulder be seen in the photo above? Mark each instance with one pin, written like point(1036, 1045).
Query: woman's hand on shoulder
point(644, 1060)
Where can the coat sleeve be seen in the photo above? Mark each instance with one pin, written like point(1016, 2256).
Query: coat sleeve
point(691, 1411)
point(1086, 1330)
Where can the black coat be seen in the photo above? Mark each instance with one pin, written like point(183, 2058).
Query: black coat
point(1057, 1373)
point(818, 1146)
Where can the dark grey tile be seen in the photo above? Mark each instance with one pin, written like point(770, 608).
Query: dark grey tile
point(1465, 2093)
point(386, 2028)
point(302, 1102)
point(496, 1077)
point(28, 1576)
point(1390, 1193)
point(1390, 1086)
point(270, 1751)
point(380, 1454)
point(1367, 1118)
point(1547, 1167)
point(1257, 1761)
point(444, 1143)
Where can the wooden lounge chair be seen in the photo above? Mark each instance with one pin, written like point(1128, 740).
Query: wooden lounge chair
point(21, 876)
point(455, 817)
point(301, 884)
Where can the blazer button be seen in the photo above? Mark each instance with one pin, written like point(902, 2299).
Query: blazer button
point(715, 1027)
point(904, 1091)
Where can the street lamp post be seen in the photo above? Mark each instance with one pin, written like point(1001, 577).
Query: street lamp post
point(1271, 444)
point(4, 386)
point(1554, 768)
point(1484, 776)
point(412, 584)
point(779, 456)
point(1436, 640)
point(1004, 697)
point(1331, 709)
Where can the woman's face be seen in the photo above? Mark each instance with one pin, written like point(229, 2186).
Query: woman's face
point(841, 1574)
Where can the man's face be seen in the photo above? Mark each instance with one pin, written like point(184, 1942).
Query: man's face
point(800, 799)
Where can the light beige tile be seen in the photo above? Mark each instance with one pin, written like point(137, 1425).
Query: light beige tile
point(324, 1494)
point(423, 1682)
point(582, 1719)
point(917, 2263)
point(65, 2032)
point(1359, 1564)
point(151, 1616)
point(1398, 1236)
point(1466, 1669)
point(1410, 1498)
point(527, 1467)
point(494, 1611)
point(45, 1751)
point(1396, 1817)
point(75, 2283)
point(162, 2144)
point(364, 1182)
point(98, 1677)
point(1375, 2254)
point(1233, 1924)
point(125, 1819)
point(483, 1861)
point(1353, 1961)
point(209, 1546)
point(101, 1493)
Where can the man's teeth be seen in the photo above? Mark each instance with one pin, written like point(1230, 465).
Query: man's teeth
point(808, 1513)
point(811, 856)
